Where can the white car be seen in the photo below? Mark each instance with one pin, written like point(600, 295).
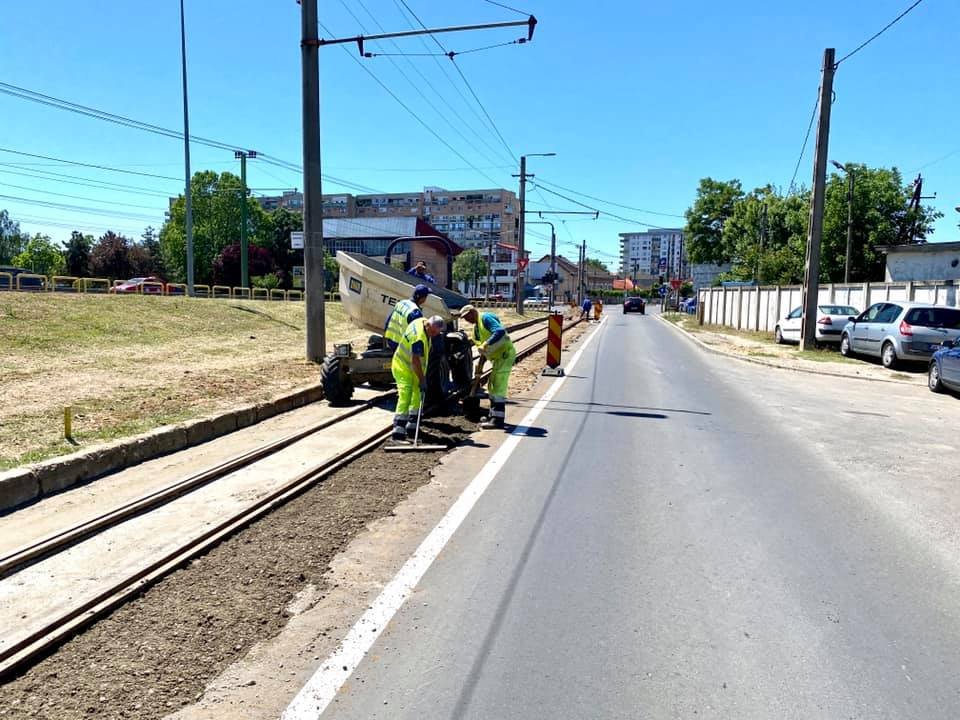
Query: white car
point(831, 319)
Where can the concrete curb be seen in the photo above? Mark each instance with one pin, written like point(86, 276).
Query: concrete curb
point(26, 484)
point(766, 363)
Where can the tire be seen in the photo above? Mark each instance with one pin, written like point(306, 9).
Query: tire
point(888, 356)
point(778, 335)
point(845, 348)
point(337, 385)
point(933, 379)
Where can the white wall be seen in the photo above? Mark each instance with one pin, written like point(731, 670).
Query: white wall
point(738, 307)
point(923, 265)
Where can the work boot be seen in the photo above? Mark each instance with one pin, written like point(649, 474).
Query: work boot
point(399, 433)
point(498, 416)
point(492, 424)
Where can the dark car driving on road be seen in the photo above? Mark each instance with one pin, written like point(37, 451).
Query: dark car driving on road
point(635, 304)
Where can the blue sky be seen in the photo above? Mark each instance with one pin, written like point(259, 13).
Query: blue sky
point(638, 99)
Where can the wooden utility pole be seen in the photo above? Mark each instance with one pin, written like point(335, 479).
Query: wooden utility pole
point(811, 273)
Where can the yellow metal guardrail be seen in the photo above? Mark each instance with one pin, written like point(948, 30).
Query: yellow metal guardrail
point(241, 293)
point(94, 285)
point(151, 287)
point(276, 293)
point(201, 291)
point(6, 281)
point(260, 294)
point(221, 291)
point(64, 283)
point(175, 289)
point(295, 295)
point(44, 283)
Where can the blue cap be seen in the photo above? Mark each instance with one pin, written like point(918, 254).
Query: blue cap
point(421, 291)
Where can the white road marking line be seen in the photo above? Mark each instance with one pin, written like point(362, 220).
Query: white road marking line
point(323, 686)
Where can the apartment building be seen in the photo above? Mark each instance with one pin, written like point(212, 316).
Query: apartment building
point(653, 252)
point(333, 205)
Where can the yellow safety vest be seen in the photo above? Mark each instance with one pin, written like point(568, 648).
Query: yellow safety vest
point(481, 335)
point(403, 355)
point(398, 320)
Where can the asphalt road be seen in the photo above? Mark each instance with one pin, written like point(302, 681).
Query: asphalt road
point(679, 538)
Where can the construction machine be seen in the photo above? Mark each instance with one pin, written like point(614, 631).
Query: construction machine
point(369, 289)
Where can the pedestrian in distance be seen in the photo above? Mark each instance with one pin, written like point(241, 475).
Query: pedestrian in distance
point(585, 309)
point(420, 271)
point(409, 368)
point(492, 341)
point(404, 313)
point(597, 309)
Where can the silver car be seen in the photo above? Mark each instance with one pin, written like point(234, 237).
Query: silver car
point(895, 331)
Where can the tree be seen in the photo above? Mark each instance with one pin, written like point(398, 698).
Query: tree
point(469, 266)
point(148, 255)
point(77, 254)
point(216, 224)
point(597, 265)
point(276, 238)
point(226, 266)
point(42, 256)
point(12, 241)
point(110, 257)
point(880, 217)
point(706, 219)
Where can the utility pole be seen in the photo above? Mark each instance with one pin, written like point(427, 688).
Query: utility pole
point(523, 210)
point(312, 189)
point(848, 169)
point(186, 154)
point(763, 237)
point(489, 268)
point(242, 155)
point(811, 277)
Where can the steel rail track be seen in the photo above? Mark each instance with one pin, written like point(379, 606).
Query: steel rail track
point(45, 639)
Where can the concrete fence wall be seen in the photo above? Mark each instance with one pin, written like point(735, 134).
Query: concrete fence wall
point(759, 308)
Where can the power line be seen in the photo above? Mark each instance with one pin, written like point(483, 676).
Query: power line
point(77, 197)
point(71, 180)
point(410, 111)
point(806, 137)
point(32, 219)
point(80, 209)
point(873, 37)
point(608, 202)
point(90, 165)
point(604, 212)
point(507, 7)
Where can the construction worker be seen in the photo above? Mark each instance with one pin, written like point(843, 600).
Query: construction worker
point(409, 368)
point(585, 309)
point(420, 271)
point(597, 309)
point(494, 344)
point(404, 313)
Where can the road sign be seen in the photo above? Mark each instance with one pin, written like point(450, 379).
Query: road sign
point(663, 291)
point(676, 283)
point(663, 263)
point(522, 263)
point(296, 240)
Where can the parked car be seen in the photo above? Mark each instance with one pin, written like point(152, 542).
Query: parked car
point(27, 283)
point(944, 370)
point(537, 301)
point(688, 305)
point(895, 331)
point(133, 286)
point(635, 304)
point(831, 320)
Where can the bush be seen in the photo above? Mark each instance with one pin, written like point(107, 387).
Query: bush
point(226, 266)
point(269, 281)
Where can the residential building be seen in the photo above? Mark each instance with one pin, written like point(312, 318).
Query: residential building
point(706, 274)
point(503, 260)
point(655, 252)
point(927, 261)
point(333, 205)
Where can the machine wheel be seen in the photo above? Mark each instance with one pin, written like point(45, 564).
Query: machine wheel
point(845, 348)
point(778, 335)
point(888, 356)
point(933, 378)
point(337, 385)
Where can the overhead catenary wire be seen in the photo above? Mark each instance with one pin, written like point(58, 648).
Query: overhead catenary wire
point(608, 202)
point(79, 208)
point(77, 197)
point(803, 148)
point(507, 7)
point(95, 166)
point(873, 37)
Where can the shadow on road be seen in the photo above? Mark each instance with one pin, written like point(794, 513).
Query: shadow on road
point(528, 402)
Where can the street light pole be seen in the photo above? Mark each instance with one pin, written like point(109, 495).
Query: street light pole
point(186, 154)
point(522, 223)
point(242, 155)
point(850, 185)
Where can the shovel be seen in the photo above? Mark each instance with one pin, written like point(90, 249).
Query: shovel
point(416, 446)
point(471, 403)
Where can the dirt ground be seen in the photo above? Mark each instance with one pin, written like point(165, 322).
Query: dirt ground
point(761, 347)
point(157, 654)
point(130, 364)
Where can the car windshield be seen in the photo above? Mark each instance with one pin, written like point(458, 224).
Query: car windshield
point(947, 318)
point(844, 310)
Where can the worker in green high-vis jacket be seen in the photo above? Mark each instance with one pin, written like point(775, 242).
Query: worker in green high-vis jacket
point(494, 343)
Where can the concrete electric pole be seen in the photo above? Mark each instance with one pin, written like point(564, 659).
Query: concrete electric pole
point(186, 155)
point(811, 277)
point(523, 210)
point(242, 155)
point(312, 189)
point(850, 185)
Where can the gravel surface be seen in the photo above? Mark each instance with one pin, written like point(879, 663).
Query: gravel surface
point(158, 653)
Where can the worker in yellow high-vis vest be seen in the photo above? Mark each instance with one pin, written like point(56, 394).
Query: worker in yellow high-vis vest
point(404, 313)
point(409, 368)
point(492, 341)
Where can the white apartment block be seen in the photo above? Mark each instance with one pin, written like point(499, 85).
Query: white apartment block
point(654, 252)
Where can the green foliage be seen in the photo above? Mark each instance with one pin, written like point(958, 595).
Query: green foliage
point(597, 265)
point(469, 266)
point(42, 256)
point(704, 232)
point(77, 254)
point(270, 281)
point(216, 203)
point(12, 241)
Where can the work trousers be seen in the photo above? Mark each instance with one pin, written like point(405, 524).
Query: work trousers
point(408, 403)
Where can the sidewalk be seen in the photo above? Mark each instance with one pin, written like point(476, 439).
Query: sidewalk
point(760, 348)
